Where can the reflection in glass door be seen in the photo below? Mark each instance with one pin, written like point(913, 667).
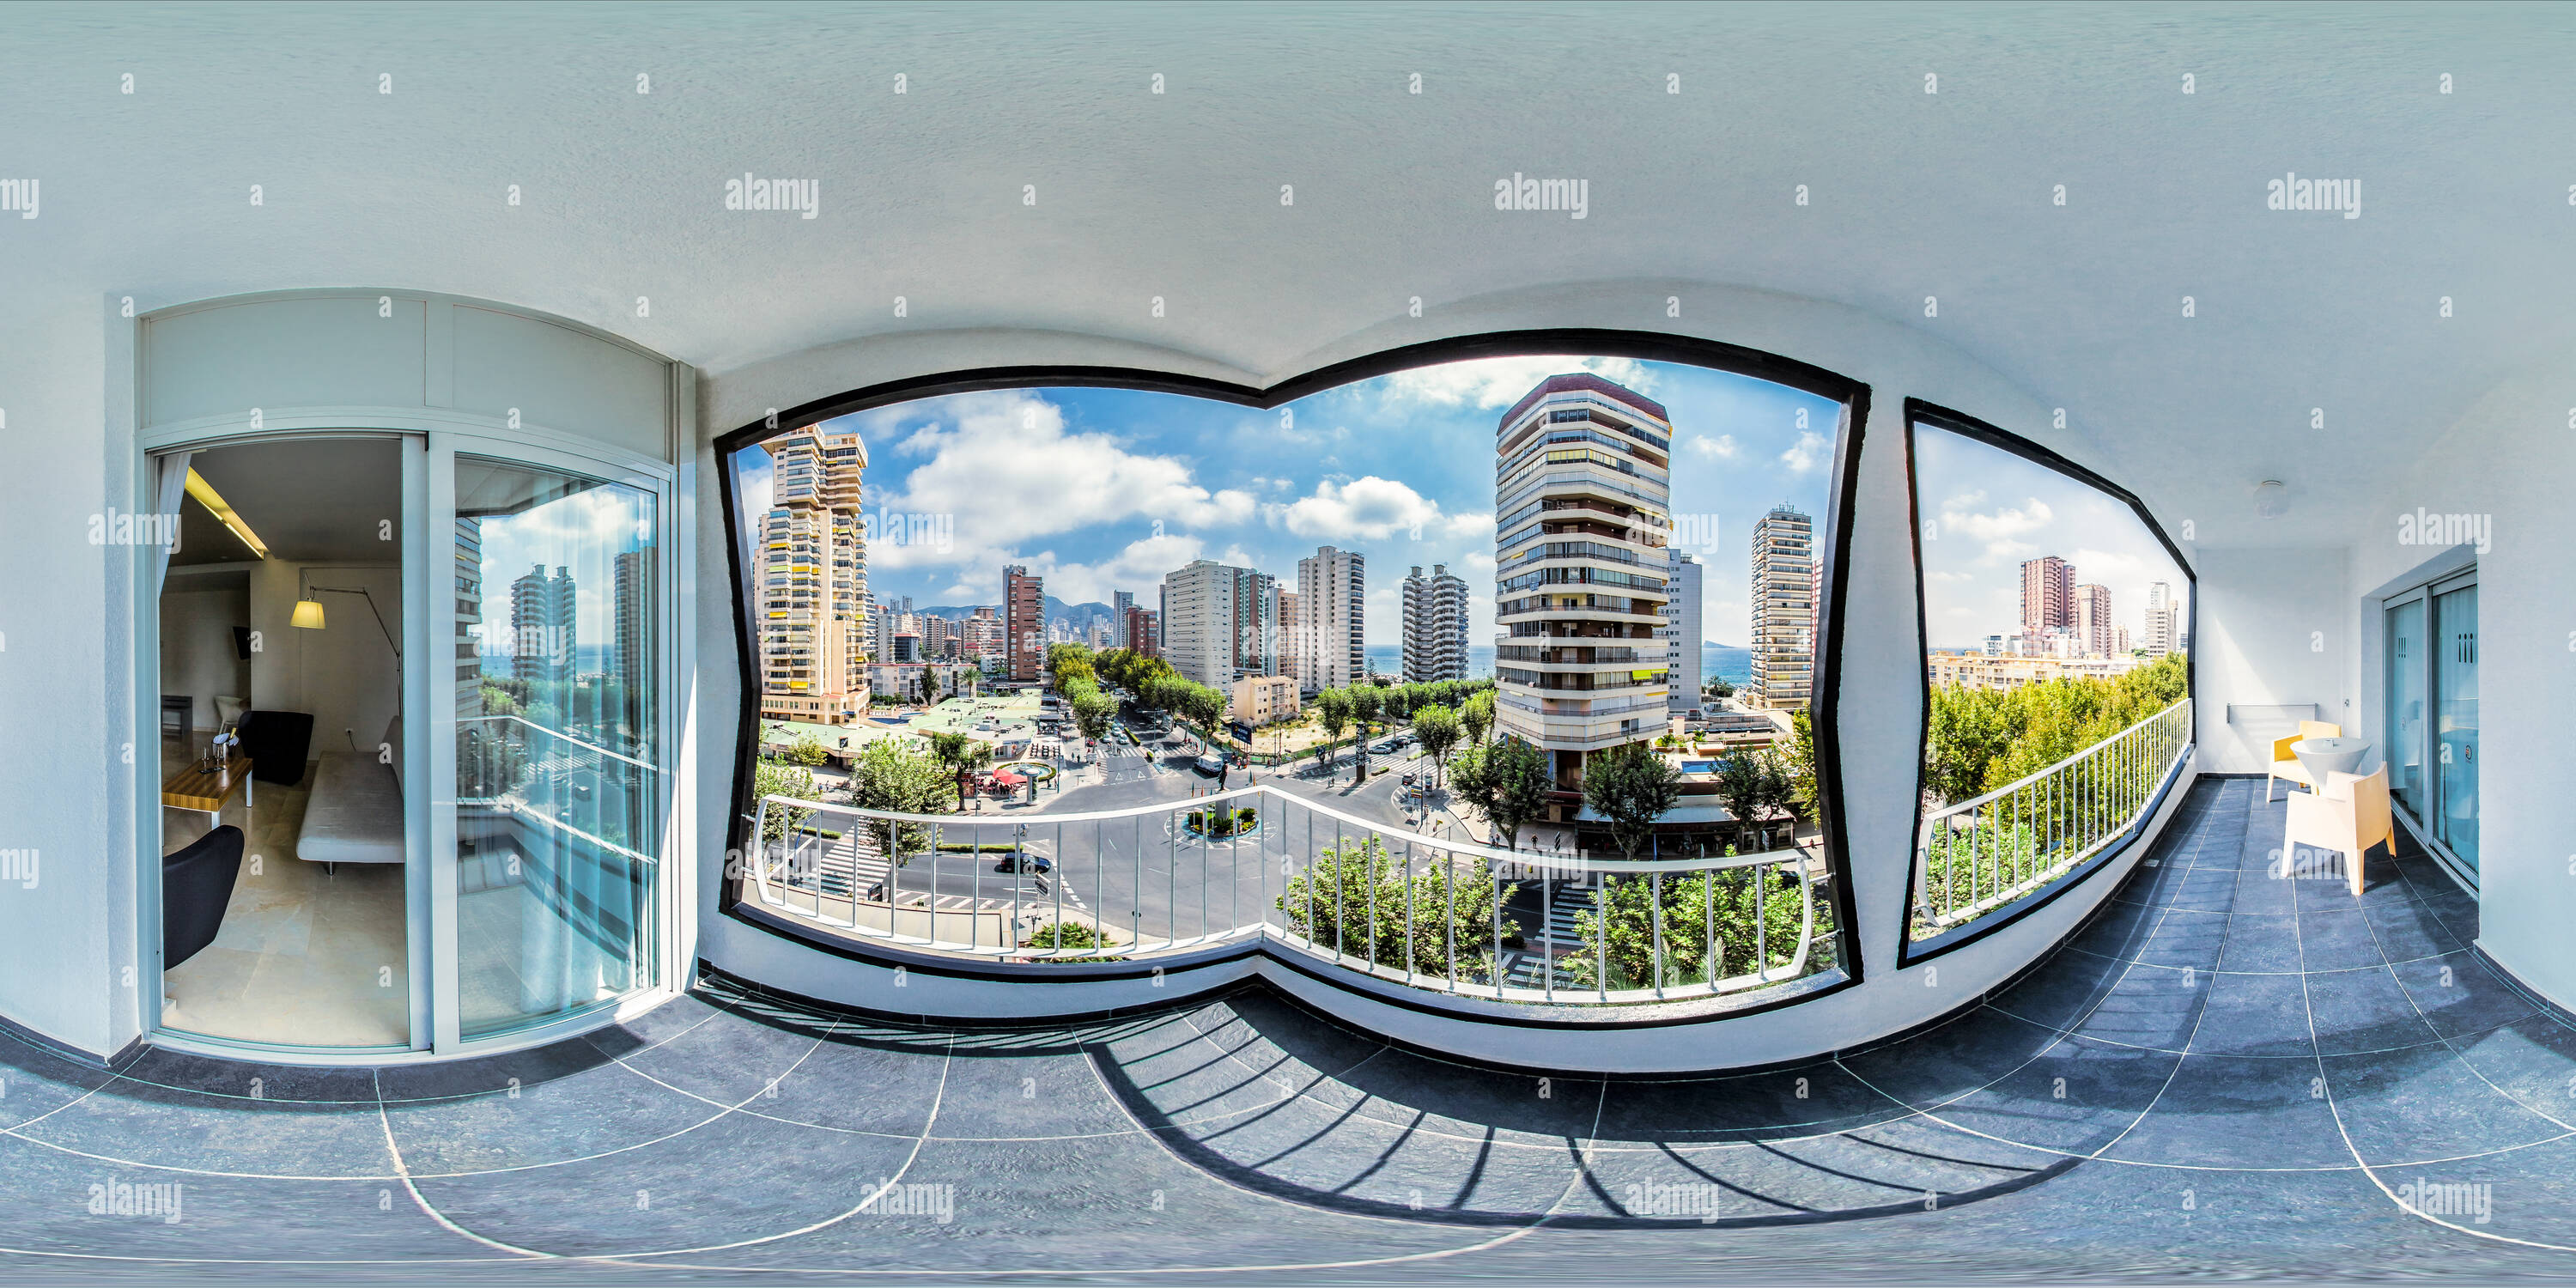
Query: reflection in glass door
point(2406, 678)
point(558, 780)
point(2455, 689)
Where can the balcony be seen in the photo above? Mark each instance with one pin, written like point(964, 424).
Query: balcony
point(1983, 855)
point(1398, 909)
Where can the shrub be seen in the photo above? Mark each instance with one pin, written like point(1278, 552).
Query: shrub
point(1070, 934)
point(1332, 902)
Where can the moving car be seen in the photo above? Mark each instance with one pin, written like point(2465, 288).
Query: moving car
point(1211, 765)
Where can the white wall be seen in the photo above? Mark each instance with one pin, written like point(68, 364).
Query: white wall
point(1881, 696)
point(343, 675)
point(66, 701)
point(2511, 458)
point(80, 686)
point(198, 655)
point(2276, 628)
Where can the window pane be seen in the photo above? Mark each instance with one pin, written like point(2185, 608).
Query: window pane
point(2455, 686)
point(2058, 632)
point(558, 811)
point(2406, 706)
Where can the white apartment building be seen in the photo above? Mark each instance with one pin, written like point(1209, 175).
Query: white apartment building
point(1435, 625)
point(1784, 614)
point(1582, 484)
point(814, 628)
point(1220, 623)
point(1682, 630)
point(1331, 587)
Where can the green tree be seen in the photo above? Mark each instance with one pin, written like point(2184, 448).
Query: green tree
point(959, 757)
point(808, 751)
point(1630, 787)
point(1805, 798)
point(1207, 708)
point(1476, 715)
point(1358, 901)
point(894, 776)
point(1367, 702)
point(773, 778)
point(1092, 710)
point(1333, 711)
point(1438, 728)
point(1742, 787)
point(1779, 787)
point(1507, 782)
point(1163, 694)
point(1753, 914)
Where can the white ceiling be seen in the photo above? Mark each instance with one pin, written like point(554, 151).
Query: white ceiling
point(2463, 195)
point(309, 500)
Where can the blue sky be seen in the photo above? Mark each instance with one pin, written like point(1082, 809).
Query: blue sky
point(1985, 510)
point(1103, 490)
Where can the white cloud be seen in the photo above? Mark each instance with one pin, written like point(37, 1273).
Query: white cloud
point(1138, 568)
point(1369, 508)
point(1999, 530)
point(1500, 382)
point(1810, 451)
point(1721, 447)
point(1005, 466)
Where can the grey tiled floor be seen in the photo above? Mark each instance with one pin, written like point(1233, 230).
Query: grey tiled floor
point(2227, 1073)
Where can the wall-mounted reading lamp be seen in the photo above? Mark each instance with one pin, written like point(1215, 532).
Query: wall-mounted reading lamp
point(308, 610)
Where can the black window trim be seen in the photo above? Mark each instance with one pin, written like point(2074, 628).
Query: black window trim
point(1918, 412)
point(1653, 346)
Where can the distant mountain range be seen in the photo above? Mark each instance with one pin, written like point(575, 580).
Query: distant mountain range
point(1080, 615)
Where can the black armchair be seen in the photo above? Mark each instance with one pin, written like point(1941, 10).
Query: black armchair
point(277, 743)
point(196, 884)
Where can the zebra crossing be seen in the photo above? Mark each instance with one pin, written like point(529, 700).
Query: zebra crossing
point(855, 867)
point(1559, 937)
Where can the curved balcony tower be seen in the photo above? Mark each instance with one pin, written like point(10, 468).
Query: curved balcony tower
point(1582, 486)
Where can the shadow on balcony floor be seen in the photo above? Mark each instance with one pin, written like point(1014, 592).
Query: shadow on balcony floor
point(2227, 1073)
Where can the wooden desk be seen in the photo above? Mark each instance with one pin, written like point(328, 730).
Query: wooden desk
point(207, 793)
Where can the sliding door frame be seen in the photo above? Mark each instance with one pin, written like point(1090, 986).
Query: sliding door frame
point(430, 446)
point(2427, 593)
point(415, 481)
point(670, 897)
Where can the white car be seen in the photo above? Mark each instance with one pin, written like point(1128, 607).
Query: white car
point(1211, 764)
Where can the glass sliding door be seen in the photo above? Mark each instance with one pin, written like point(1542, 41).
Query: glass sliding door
point(2455, 695)
point(559, 793)
point(2431, 716)
point(2405, 706)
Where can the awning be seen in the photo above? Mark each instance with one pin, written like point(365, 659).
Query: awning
point(1678, 814)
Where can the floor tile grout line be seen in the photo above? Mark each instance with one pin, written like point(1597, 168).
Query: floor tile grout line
point(2325, 1085)
point(2198, 1015)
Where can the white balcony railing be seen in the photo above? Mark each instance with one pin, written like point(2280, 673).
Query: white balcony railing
point(1985, 854)
point(1397, 906)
